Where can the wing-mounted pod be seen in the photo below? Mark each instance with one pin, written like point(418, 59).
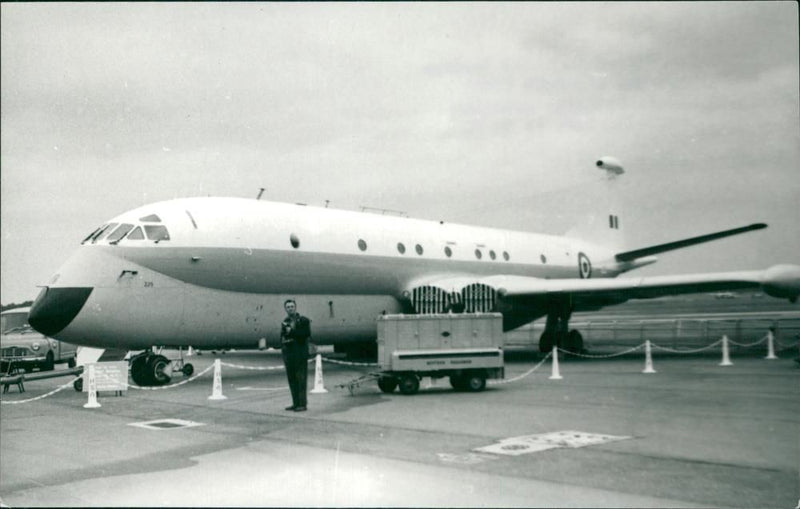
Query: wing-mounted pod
point(782, 281)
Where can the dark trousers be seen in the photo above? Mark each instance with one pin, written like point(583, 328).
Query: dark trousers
point(297, 374)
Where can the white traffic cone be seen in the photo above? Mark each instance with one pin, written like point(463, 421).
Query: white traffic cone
point(92, 384)
point(726, 356)
point(217, 390)
point(556, 375)
point(648, 358)
point(770, 346)
point(319, 384)
point(190, 352)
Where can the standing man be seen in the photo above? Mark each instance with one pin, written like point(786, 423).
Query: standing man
point(295, 331)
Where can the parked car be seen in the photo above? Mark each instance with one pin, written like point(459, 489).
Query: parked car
point(22, 347)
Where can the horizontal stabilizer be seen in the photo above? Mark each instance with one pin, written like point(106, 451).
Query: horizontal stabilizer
point(678, 244)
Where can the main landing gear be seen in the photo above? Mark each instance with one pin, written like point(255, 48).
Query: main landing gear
point(556, 330)
point(151, 369)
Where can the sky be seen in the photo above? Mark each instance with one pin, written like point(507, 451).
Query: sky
point(490, 114)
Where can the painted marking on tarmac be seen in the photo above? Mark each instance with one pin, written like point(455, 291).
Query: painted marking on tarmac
point(527, 444)
point(162, 424)
point(248, 388)
point(464, 459)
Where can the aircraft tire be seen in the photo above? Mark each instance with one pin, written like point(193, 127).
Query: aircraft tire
point(139, 371)
point(546, 342)
point(188, 370)
point(71, 363)
point(409, 384)
point(156, 367)
point(574, 342)
point(387, 384)
point(78, 385)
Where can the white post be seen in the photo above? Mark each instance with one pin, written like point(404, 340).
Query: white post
point(92, 384)
point(217, 389)
point(770, 346)
point(556, 375)
point(648, 359)
point(319, 384)
point(726, 356)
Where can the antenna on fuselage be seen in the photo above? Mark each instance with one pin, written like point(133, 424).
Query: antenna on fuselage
point(260, 193)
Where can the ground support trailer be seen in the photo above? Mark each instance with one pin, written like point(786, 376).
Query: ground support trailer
point(467, 348)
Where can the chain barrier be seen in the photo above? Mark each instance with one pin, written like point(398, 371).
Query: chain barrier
point(257, 368)
point(748, 345)
point(373, 364)
point(348, 363)
point(523, 375)
point(57, 389)
point(165, 387)
point(785, 346)
point(587, 356)
point(672, 350)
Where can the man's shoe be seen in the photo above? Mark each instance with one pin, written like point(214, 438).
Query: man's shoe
point(300, 409)
point(290, 408)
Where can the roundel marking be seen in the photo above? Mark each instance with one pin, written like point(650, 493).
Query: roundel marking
point(584, 266)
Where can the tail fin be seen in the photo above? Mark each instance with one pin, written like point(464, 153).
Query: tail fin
point(604, 224)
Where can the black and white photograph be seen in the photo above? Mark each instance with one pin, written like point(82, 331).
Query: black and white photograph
point(400, 254)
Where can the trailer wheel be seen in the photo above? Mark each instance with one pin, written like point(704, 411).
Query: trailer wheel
point(409, 384)
point(457, 382)
point(387, 384)
point(78, 385)
point(475, 383)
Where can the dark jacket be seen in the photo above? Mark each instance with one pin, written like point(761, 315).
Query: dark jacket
point(295, 333)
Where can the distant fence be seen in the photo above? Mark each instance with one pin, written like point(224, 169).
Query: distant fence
point(673, 333)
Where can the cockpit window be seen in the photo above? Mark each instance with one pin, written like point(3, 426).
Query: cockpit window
point(156, 232)
point(152, 218)
point(105, 230)
point(120, 232)
point(91, 235)
point(136, 234)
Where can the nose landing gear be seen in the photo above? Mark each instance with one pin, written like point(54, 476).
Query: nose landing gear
point(151, 369)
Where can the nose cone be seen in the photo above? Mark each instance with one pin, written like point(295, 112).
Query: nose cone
point(55, 308)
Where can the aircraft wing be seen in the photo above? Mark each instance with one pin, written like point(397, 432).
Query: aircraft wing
point(779, 281)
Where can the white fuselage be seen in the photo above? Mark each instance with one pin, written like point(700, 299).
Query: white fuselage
point(229, 263)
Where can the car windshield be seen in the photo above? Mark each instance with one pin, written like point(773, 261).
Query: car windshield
point(13, 321)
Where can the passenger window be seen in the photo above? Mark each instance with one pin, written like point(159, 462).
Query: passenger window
point(156, 232)
point(478, 254)
point(120, 232)
point(401, 248)
point(419, 249)
point(505, 255)
point(362, 245)
point(152, 218)
point(448, 251)
point(294, 240)
point(492, 255)
point(136, 234)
